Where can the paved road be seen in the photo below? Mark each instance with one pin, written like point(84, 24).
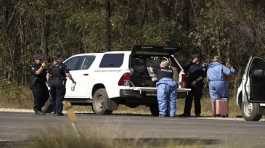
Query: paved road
point(20, 126)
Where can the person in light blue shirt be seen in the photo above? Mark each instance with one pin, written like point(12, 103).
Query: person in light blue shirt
point(218, 86)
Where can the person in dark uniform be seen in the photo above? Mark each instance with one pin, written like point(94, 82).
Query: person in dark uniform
point(196, 74)
point(56, 76)
point(38, 83)
point(166, 90)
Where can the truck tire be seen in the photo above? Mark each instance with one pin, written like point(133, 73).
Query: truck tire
point(101, 102)
point(251, 111)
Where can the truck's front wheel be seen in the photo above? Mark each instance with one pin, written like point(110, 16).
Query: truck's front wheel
point(101, 102)
point(251, 111)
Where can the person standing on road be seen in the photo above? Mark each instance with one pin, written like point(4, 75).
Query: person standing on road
point(218, 86)
point(166, 90)
point(38, 83)
point(196, 74)
point(56, 77)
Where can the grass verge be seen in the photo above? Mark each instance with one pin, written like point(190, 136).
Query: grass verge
point(13, 96)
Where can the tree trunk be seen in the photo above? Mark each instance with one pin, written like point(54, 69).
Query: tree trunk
point(108, 24)
point(45, 34)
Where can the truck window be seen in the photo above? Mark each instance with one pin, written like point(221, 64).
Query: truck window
point(75, 63)
point(88, 61)
point(111, 60)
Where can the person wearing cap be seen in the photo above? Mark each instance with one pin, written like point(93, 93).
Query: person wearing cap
point(196, 74)
point(56, 77)
point(218, 88)
point(38, 83)
point(166, 90)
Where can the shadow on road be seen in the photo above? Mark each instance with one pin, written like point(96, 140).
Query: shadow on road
point(138, 115)
point(160, 142)
point(118, 114)
point(154, 142)
point(12, 144)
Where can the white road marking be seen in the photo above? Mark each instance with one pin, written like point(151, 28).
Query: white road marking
point(220, 118)
point(1, 140)
point(16, 110)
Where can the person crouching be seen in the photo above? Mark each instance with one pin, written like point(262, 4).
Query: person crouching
point(166, 90)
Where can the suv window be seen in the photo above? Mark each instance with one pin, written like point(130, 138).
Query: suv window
point(112, 60)
point(75, 63)
point(88, 61)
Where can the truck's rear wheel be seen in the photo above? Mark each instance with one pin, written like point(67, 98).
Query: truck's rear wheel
point(251, 111)
point(101, 102)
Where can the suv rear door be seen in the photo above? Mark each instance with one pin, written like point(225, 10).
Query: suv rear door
point(79, 67)
point(254, 81)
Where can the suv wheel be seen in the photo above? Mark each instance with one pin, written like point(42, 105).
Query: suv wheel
point(101, 102)
point(251, 111)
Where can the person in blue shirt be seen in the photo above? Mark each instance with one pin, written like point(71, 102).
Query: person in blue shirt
point(166, 90)
point(218, 86)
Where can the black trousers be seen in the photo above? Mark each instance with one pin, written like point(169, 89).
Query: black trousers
point(196, 94)
point(40, 95)
point(57, 93)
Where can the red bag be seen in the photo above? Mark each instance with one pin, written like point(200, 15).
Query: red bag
point(221, 108)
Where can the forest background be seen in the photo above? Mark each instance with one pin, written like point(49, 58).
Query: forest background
point(235, 30)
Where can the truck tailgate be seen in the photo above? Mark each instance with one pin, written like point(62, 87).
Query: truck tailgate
point(152, 90)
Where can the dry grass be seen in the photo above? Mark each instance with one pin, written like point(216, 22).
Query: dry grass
point(108, 137)
point(13, 96)
point(66, 139)
point(54, 138)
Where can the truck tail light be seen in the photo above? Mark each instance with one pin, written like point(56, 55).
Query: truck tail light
point(125, 79)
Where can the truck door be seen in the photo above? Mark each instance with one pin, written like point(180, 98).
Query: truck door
point(254, 82)
point(79, 69)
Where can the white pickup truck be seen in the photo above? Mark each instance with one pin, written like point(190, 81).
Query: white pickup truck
point(105, 80)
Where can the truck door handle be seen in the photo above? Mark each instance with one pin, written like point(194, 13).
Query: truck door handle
point(85, 74)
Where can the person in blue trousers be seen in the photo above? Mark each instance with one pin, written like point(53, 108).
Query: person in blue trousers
point(166, 90)
point(218, 86)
